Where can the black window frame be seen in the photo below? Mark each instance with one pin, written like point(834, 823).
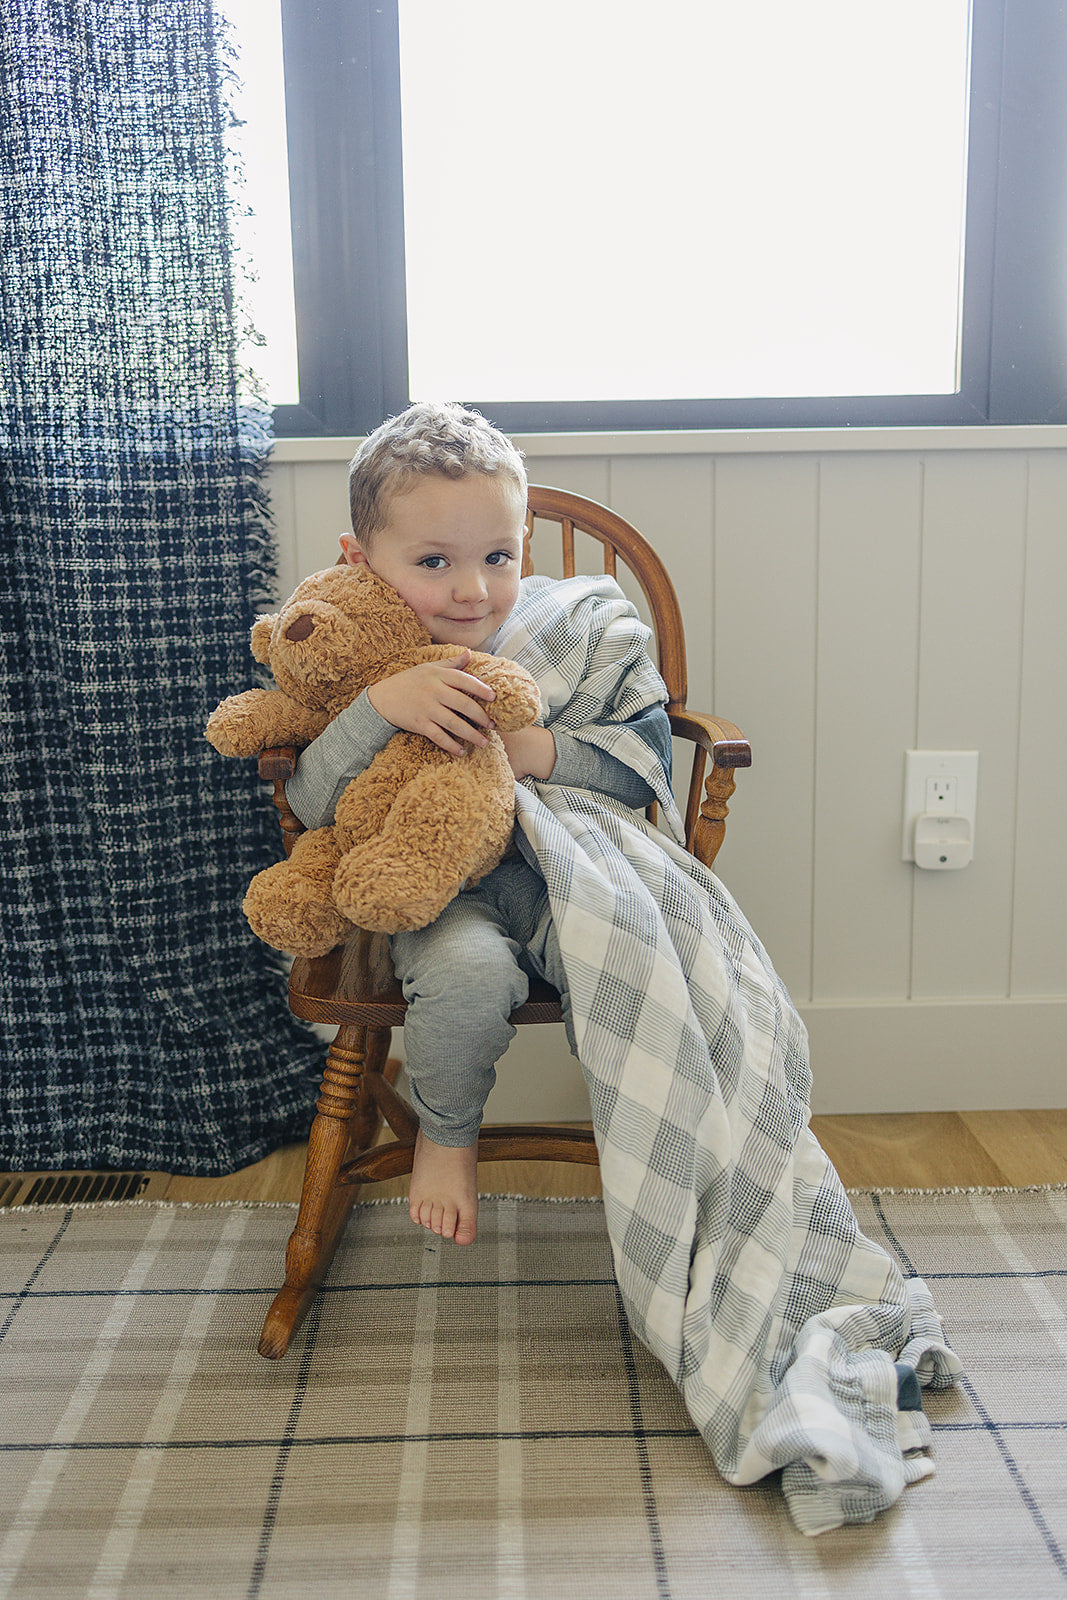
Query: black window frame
point(342, 86)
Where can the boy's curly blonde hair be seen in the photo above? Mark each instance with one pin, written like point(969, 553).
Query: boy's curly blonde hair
point(426, 439)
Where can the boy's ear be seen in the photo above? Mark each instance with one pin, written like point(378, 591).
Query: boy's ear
point(353, 551)
point(262, 629)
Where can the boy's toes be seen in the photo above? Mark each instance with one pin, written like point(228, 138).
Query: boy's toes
point(446, 1221)
point(443, 1196)
point(466, 1230)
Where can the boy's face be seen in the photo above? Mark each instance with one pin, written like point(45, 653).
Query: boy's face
point(452, 548)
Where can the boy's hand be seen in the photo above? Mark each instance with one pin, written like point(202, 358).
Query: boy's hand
point(437, 699)
point(532, 752)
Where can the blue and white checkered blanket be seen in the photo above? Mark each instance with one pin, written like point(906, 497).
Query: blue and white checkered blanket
point(736, 1250)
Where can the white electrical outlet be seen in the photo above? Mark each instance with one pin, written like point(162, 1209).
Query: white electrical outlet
point(942, 795)
point(939, 783)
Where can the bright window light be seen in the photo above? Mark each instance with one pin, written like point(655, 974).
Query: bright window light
point(264, 237)
point(696, 200)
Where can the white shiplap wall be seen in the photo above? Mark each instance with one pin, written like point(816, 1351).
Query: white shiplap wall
point(848, 596)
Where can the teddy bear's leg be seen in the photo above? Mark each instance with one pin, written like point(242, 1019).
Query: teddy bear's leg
point(445, 826)
point(364, 806)
point(290, 906)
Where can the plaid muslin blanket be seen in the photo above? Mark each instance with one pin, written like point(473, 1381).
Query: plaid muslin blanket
point(737, 1253)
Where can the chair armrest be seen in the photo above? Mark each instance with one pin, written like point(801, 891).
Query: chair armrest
point(725, 744)
point(276, 766)
point(706, 804)
point(278, 763)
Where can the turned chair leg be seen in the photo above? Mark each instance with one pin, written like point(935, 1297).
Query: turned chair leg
point(710, 827)
point(347, 1119)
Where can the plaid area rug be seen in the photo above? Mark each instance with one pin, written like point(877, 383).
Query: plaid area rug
point(479, 1424)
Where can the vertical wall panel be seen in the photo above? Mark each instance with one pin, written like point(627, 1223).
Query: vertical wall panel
point(868, 605)
point(765, 566)
point(282, 489)
point(588, 475)
point(1039, 952)
point(969, 662)
point(669, 500)
point(322, 514)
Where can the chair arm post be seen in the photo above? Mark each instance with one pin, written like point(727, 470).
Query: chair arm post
point(277, 766)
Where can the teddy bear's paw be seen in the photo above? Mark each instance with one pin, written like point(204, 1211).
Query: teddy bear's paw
point(378, 894)
point(235, 727)
point(518, 701)
point(286, 915)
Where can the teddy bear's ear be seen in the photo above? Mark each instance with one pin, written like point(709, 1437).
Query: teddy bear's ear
point(262, 629)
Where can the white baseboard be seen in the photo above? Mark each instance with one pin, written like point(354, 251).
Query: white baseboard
point(938, 1055)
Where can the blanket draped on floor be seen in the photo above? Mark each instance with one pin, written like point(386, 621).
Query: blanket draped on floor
point(142, 1022)
point(739, 1258)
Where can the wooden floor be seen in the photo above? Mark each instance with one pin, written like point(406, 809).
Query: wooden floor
point(930, 1150)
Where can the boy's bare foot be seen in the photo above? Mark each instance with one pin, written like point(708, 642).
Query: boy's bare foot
point(444, 1189)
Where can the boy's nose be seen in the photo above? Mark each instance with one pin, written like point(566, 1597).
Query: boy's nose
point(470, 585)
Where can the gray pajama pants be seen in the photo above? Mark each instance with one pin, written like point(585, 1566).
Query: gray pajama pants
point(462, 977)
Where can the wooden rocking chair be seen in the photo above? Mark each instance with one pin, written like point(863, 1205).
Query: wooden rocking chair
point(354, 986)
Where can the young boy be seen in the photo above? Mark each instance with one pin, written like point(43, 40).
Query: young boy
point(733, 1243)
point(438, 501)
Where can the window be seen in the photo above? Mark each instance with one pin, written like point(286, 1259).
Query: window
point(263, 232)
point(421, 205)
point(757, 199)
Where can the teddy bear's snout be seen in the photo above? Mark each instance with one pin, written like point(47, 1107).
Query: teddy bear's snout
point(302, 628)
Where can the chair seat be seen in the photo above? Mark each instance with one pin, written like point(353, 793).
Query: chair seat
point(356, 984)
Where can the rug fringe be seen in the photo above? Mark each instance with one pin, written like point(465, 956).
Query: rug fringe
point(1004, 1188)
point(275, 1205)
point(528, 1199)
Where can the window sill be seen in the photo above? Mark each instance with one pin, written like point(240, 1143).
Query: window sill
point(727, 441)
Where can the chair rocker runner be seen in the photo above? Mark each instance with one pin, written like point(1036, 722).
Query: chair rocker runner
point(354, 985)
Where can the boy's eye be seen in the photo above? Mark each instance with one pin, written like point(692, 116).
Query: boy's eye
point(499, 558)
point(434, 563)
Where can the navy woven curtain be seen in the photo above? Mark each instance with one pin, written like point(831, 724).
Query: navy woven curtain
point(140, 1021)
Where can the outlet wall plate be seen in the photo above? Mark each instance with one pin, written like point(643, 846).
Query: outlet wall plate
point(934, 781)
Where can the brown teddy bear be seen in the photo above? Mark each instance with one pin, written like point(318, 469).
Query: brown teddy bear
point(418, 823)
